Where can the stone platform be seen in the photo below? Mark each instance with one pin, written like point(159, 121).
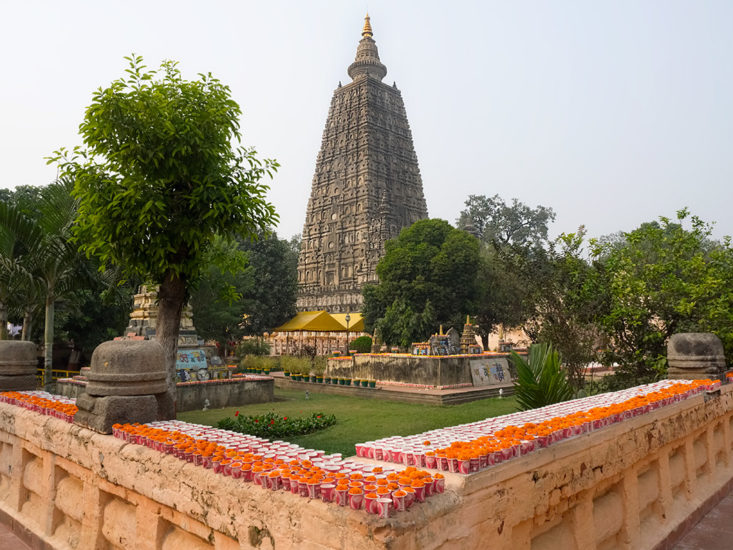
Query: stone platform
point(628, 485)
point(192, 396)
point(403, 394)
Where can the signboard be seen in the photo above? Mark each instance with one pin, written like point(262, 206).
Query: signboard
point(490, 371)
point(191, 359)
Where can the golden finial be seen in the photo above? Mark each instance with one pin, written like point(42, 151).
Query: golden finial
point(367, 30)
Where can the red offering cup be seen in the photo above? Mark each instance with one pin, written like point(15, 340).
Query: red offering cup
point(410, 497)
point(419, 488)
point(464, 466)
point(429, 486)
point(294, 486)
point(430, 460)
point(356, 499)
point(384, 507)
point(257, 478)
point(398, 498)
point(236, 469)
point(247, 472)
point(275, 482)
point(439, 484)
point(340, 495)
point(327, 490)
point(303, 488)
point(314, 489)
point(370, 503)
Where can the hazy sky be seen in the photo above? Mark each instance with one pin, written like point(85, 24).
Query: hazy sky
point(613, 113)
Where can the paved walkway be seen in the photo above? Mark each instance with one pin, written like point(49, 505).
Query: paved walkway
point(714, 531)
point(8, 541)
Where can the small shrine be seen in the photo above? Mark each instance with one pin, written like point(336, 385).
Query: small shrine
point(450, 343)
point(470, 340)
point(194, 360)
point(437, 344)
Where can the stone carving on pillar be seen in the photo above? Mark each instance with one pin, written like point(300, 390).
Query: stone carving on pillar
point(695, 355)
point(365, 189)
point(127, 383)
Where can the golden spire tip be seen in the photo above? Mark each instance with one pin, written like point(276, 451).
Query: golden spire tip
point(367, 30)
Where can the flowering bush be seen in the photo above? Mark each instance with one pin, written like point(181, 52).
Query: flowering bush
point(273, 425)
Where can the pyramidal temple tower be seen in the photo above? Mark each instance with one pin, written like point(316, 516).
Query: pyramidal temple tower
point(366, 187)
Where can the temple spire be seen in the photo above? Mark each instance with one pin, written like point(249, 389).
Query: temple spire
point(367, 57)
point(366, 32)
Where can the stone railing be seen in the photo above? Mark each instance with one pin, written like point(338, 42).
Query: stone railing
point(634, 484)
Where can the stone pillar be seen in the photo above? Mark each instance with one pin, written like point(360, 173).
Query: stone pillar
point(18, 365)
point(695, 355)
point(127, 383)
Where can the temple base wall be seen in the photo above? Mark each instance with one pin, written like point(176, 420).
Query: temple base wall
point(192, 396)
point(414, 369)
point(631, 485)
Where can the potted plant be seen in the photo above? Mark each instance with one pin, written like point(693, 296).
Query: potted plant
point(364, 383)
point(356, 382)
point(372, 383)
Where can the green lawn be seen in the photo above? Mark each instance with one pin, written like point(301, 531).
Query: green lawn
point(360, 419)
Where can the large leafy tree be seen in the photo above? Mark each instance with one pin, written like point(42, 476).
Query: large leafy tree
point(428, 276)
point(513, 256)
point(570, 296)
point(255, 294)
point(159, 177)
point(665, 277)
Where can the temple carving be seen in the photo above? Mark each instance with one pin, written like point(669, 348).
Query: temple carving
point(365, 189)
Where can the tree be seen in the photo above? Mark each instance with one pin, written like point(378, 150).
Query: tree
point(428, 276)
point(159, 178)
point(506, 226)
point(47, 264)
point(664, 277)
point(570, 298)
point(513, 256)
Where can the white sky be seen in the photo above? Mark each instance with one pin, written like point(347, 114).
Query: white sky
point(611, 112)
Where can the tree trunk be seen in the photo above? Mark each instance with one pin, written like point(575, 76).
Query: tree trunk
point(48, 345)
point(27, 325)
point(171, 298)
point(3, 321)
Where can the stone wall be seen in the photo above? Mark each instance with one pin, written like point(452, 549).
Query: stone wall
point(191, 396)
point(410, 369)
point(630, 485)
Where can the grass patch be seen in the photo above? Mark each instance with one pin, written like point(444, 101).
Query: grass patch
point(359, 419)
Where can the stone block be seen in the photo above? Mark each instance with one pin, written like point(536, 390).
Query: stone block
point(101, 413)
point(18, 382)
point(17, 365)
point(695, 355)
point(127, 367)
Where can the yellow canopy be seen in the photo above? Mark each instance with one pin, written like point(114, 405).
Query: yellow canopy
point(315, 321)
point(356, 323)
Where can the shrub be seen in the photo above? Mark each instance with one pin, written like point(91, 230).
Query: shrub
point(272, 425)
point(253, 346)
point(540, 380)
point(362, 344)
point(319, 365)
point(295, 365)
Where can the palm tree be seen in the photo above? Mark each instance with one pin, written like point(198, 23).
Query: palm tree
point(49, 261)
